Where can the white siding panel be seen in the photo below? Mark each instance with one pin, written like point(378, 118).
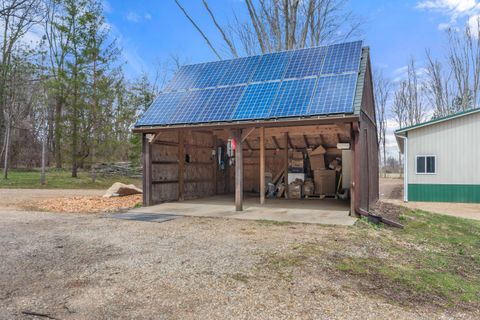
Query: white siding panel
point(456, 143)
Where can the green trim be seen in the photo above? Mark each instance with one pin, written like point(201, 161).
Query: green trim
point(444, 193)
point(434, 121)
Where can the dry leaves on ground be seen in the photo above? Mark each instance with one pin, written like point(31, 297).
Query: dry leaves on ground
point(89, 204)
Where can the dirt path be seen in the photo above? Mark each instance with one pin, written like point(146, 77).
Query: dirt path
point(90, 267)
point(21, 198)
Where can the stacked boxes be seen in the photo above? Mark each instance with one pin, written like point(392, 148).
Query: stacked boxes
point(325, 182)
point(324, 179)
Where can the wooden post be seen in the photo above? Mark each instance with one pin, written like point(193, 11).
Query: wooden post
point(181, 164)
point(238, 171)
point(147, 171)
point(262, 165)
point(215, 165)
point(286, 165)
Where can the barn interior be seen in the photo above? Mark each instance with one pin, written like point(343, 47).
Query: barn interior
point(307, 162)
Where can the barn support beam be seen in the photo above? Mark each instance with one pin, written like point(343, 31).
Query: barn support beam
point(262, 165)
point(181, 165)
point(215, 165)
point(147, 170)
point(355, 184)
point(238, 170)
point(286, 165)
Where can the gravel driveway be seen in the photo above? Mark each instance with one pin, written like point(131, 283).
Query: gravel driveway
point(68, 266)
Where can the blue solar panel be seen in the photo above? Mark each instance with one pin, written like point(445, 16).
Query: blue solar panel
point(222, 104)
point(272, 67)
point(256, 101)
point(293, 98)
point(342, 58)
point(334, 94)
point(185, 78)
point(162, 109)
point(294, 83)
point(191, 106)
point(240, 71)
point(306, 62)
point(212, 73)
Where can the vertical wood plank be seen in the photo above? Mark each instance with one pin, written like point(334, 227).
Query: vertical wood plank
point(286, 165)
point(215, 165)
point(147, 171)
point(353, 176)
point(262, 165)
point(238, 171)
point(181, 165)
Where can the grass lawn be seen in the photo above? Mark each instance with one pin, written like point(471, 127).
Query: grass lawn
point(435, 260)
point(61, 179)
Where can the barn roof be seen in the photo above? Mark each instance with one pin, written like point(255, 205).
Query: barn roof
point(300, 83)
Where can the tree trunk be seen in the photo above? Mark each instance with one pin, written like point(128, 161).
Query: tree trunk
point(44, 150)
point(58, 133)
point(7, 147)
point(74, 145)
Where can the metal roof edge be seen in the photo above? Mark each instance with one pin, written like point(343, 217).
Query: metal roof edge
point(253, 123)
point(438, 120)
point(357, 103)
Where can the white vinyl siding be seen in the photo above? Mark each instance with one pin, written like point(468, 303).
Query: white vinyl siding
point(456, 146)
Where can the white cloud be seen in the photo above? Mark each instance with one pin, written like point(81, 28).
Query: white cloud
point(474, 23)
point(454, 9)
point(452, 6)
point(135, 17)
point(135, 65)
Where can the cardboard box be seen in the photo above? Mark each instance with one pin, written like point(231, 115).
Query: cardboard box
point(317, 158)
point(325, 182)
point(297, 155)
point(295, 163)
point(294, 176)
point(317, 162)
point(308, 188)
point(295, 190)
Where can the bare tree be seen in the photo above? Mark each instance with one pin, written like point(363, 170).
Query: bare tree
point(382, 95)
point(464, 61)
point(275, 25)
point(437, 87)
point(415, 106)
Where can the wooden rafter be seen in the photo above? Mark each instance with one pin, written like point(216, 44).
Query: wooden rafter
point(275, 141)
point(246, 133)
point(305, 139)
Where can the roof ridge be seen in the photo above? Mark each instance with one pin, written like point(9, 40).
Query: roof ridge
point(281, 51)
point(438, 120)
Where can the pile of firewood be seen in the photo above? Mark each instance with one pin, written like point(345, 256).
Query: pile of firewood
point(118, 169)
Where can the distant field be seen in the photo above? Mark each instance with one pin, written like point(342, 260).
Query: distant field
point(61, 179)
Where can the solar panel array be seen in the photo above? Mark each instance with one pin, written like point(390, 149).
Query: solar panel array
point(298, 83)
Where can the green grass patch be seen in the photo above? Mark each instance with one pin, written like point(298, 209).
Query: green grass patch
point(434, 260)
point(61, 179)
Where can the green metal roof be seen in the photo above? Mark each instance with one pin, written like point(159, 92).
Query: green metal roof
point(357, 102)
point(438, 120)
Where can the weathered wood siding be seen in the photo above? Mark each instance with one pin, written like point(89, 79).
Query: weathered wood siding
point(198, 166)
point(368, 145)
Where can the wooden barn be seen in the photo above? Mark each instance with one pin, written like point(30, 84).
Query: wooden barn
point(297, 124)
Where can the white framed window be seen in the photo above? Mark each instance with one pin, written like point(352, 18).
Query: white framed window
point(426, 165)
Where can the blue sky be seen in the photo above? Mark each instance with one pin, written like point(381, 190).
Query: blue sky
point(152, 31)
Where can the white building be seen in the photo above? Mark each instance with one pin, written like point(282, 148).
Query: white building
point(442, 159)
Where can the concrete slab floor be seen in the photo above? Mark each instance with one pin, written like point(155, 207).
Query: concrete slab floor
point(326, 211)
